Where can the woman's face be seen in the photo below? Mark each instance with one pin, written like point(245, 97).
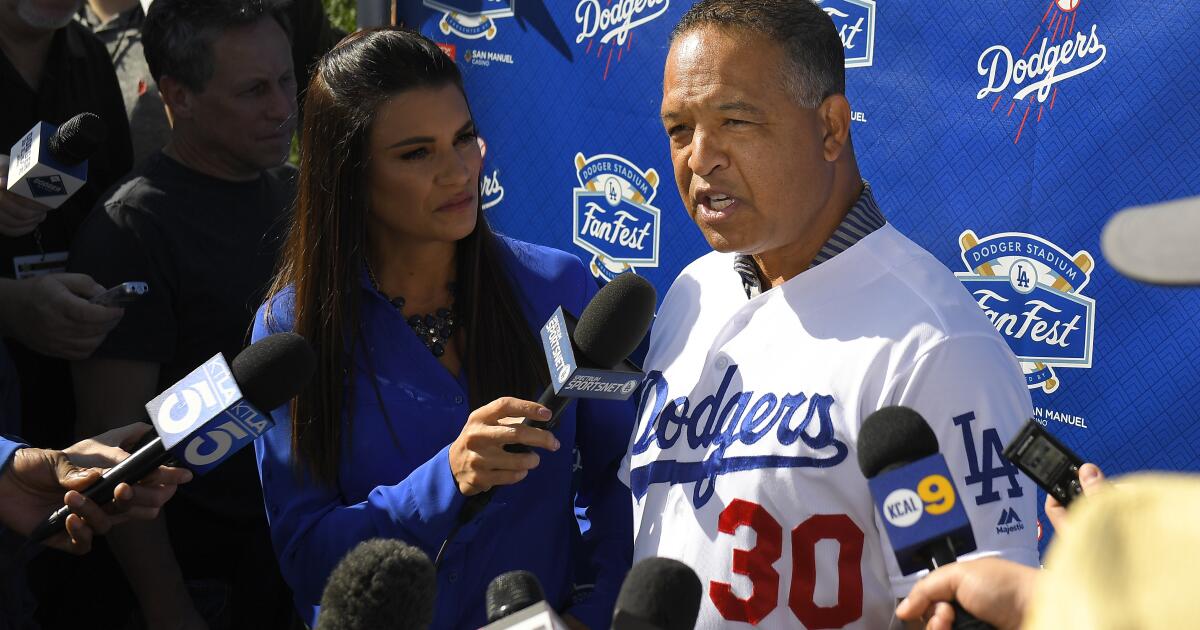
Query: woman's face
point(424, 167)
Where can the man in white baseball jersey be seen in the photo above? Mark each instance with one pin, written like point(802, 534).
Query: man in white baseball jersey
point(813, 312)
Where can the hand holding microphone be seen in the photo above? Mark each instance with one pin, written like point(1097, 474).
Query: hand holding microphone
point(209, 415)
point(478, 458)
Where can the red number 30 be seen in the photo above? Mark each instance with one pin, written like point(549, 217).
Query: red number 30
point(755, 563)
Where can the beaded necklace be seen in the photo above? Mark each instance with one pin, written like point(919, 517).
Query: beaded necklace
point(434, 329)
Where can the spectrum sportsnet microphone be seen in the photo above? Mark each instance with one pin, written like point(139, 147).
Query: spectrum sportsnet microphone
point(910, 483)
point(588, 358)
point(382, 583)
point(209, 415)
point(49, 164)
point(515, 601)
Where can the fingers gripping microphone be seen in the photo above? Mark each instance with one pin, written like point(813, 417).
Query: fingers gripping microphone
point(48, 165)
point(589, 364)
point(209, 415)
point(912, 488)
point(381, 584)
point(515, 602)
point(658, 594)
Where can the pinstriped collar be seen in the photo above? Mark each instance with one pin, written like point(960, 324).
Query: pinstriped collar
point(863, 218)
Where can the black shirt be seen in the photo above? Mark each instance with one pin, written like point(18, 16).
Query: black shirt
point(78, 77)
point(207, 248)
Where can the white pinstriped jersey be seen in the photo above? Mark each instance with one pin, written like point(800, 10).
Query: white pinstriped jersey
point(744, 464)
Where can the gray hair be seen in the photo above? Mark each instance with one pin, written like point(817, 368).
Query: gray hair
point(815, 66)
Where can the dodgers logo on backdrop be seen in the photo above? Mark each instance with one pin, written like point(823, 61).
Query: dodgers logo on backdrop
point(613, 218)
point(1030, 289)
point(491, 191)
point(855, 23)
point(611, 24)
point(1061, 47)
point(471, 19)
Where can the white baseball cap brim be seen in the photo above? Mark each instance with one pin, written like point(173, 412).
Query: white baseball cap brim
point(1158, 244)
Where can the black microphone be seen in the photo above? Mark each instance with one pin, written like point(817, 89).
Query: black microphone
point(898, 440)
point(269, 373)
point(658, 594)
point(515, 600)
point(511, 592)
point(382, 584)
point(608, 331)
point(48, 165)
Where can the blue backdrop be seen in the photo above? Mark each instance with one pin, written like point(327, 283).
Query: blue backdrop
point(998, 134)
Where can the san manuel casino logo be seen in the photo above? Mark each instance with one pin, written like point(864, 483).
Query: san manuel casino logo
point(1061, 47)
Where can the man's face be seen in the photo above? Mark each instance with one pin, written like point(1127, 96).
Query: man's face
point(750, 162)
point(246, 113)
point(45, 15)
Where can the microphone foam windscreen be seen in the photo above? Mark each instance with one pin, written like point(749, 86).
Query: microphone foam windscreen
point(381, 583)
point(76, 139)
point(615, 321)
point(274, 369)
point(892, 437)
point(510, 592)
point(662, 592)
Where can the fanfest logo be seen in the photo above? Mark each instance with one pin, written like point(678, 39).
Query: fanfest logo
point(1030, 289)
point(1061, 47)
point(1009, 522)
point(47, 186)
point(613, 218)
point(611, 24)
point(471, 19)
point(855, 23)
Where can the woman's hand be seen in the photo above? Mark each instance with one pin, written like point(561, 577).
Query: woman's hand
point(478, 459)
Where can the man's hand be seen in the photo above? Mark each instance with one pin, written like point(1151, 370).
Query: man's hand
point(51, 315)
point(18, 215)
point(1092, 480)
point(34, 485)
point(477, 457)
point(994, 590)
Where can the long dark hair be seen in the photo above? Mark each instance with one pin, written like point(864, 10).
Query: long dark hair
point(326, 246)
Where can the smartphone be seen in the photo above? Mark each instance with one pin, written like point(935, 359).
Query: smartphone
point(122, 294)
point(1051, 465)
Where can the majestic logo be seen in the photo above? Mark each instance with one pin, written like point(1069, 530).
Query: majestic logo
point(614, 220)
point(1062, 53)
point(1009, 522)
point(611, 22)
point(723, 419)
point(471, 19)
point(47, 186)
point(1029, 288)
point(855, 23)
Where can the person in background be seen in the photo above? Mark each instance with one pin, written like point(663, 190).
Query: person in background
point(50, 70)
point(200, 222)
point(425, 322)
point(118, 23)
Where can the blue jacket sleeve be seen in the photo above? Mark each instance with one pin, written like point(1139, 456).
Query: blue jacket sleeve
point(312, 527)
point(605, 552)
